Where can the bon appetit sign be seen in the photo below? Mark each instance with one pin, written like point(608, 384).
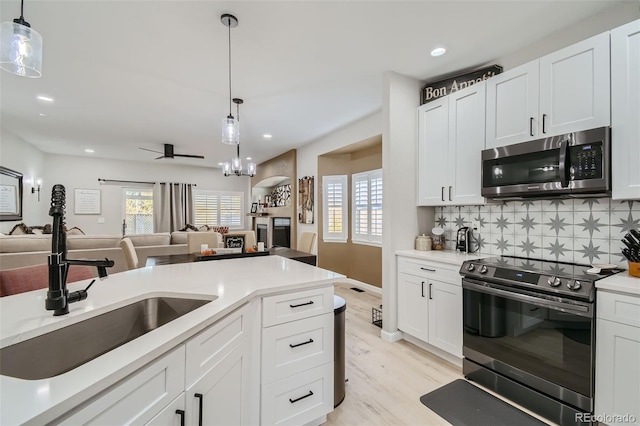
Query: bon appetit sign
point(442, 88)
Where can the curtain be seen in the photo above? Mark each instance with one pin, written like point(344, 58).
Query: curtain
point(173, 206)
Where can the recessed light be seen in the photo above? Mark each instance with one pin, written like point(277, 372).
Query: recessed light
point(220, 164)
point(438, 51)
point(45, 98)
point(267, 136)
point(42, 114)
point(248, 158)
point(89, 151)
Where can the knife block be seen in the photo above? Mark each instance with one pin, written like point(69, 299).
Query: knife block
point(634, 269)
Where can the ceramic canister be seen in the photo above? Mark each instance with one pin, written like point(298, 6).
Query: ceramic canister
point(423, 242)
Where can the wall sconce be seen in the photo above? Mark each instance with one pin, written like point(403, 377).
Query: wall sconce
point(35, 189)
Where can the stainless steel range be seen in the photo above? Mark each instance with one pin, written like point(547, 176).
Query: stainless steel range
point(529, 332)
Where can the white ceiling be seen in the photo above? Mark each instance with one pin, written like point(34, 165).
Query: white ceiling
point(130, 74)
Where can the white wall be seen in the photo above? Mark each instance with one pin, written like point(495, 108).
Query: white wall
point(81, 172)
point(19, 155)
point(307, 156)
point(402, 220)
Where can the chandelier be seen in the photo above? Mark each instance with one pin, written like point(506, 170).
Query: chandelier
point(20, 47)
point(234, 167)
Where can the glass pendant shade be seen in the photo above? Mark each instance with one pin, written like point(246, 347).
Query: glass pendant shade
point(236, 165)
point(230, 131)
point(20, 50)
point(251, 169)
point(226, 168)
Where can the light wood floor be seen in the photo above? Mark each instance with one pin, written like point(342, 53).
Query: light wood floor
point(386, 380)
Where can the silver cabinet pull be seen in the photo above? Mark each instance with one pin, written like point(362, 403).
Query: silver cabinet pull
point(531, 126)
point(422, 288)
point(450, 188)
point(442, 192)
point(544, 118)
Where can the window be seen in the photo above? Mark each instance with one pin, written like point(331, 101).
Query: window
point(218, 208)
point(335, 219)
point(367, 207)
point(138, 211)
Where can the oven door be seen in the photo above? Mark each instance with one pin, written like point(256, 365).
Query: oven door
point(544, 342)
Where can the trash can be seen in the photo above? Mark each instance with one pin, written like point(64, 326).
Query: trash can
point(339, 308)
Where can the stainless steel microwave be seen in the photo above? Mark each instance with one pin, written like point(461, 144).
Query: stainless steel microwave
point(574, 165)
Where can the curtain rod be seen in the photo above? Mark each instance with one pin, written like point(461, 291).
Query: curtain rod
point(136, 181)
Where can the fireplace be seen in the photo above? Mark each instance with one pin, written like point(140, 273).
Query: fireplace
point(282, 232)
point(262, 233)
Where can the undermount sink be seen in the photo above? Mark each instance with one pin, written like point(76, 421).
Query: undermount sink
point(63, 350)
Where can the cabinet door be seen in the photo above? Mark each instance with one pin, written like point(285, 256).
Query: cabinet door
point(138, 398)
point(466, 142)
point(433, 140)
point(224, 391)
point(512, 106)
point(445, 316)
point(625, 110)
point(575, 87)
point(617, 371)
point(172, 414)
point(413, 306)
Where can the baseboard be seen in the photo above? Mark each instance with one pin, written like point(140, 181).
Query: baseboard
point(364, 286)
point(391, 336)
point(430, 348)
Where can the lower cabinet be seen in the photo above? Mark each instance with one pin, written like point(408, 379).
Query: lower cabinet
point(221, 397)
point(246, 369)
point(617, 359)
point(430, 303)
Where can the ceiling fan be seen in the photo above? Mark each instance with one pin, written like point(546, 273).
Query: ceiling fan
point(168, 153)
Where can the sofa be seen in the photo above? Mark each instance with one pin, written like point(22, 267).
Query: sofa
point(18, 251)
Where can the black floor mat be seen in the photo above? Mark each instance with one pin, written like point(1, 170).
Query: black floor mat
point(463, 404)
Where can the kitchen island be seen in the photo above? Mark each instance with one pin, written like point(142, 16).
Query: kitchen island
point(233, 284)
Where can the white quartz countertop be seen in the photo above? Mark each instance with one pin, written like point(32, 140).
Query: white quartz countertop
point(234, 282)
point(621, 283)
point(444, 256)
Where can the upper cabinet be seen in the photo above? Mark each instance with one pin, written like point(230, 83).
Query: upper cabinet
point(625, 110)
point(450, 140)
point(563, 92)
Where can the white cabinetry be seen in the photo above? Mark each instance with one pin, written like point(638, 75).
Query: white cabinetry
point(219, 364)
point(450, 139)
point(430, 303)
point(297, 357)
point(563, 92)
point(139, 398)
point(625, 110)
point(617, 354)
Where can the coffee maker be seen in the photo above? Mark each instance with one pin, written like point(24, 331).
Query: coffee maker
point(463, 238)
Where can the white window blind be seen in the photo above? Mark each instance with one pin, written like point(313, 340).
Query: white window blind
point(367, 207)
point(335, 221)
point(218, 208)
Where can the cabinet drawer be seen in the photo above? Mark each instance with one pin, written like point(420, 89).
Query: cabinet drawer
point(291, 348)
point(620, 308)
point(137, 399)
point(207, 348)
point(428, 269)
point(294, 306)
point(298, 399)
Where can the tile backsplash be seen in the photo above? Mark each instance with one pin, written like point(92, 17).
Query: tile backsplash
point(567, 230)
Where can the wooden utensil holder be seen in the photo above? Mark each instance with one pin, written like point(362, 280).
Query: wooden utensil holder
point(634, 269)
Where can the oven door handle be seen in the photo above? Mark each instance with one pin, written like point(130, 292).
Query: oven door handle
point(580, 310)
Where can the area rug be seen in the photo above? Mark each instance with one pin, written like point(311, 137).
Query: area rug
point(463, 404)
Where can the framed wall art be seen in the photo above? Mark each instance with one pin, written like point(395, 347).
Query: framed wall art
point(305, 200)
point(87, 201)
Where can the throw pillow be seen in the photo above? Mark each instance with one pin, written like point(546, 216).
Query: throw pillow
point(19, 229)
point(37, 230)
point(204, 228)
point(75, 231)
point(189, 228)
point(220, 229)
point(47, 229)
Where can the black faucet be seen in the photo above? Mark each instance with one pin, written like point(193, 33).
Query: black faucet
point(58, 297)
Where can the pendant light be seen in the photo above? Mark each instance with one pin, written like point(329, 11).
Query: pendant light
point(230, 126)
point(234, 167)
point(20, 47)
